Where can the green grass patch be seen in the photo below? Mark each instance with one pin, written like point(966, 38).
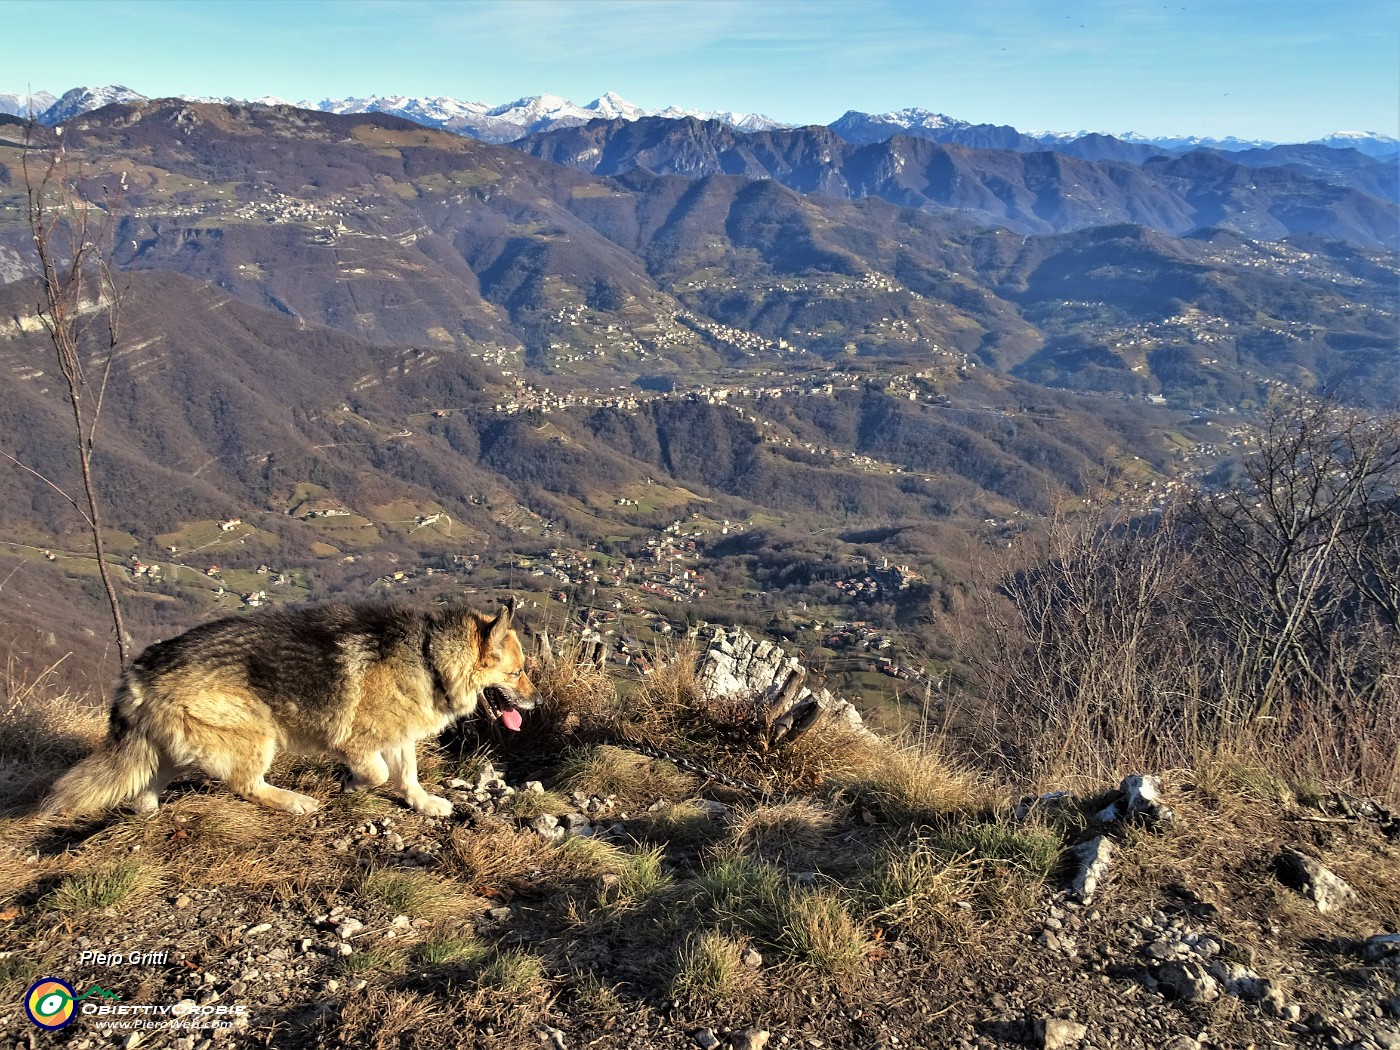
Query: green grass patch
point(1030, 847)
point(528, 804)
point(445, 949)
point(710, 971)
point(103, 887)
point(412, 893)
point(516, 974)
point(381, 958)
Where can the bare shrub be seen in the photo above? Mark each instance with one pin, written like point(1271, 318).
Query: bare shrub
point(1254, 620)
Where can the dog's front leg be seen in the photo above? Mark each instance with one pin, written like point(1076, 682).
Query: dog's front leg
point(403, 777)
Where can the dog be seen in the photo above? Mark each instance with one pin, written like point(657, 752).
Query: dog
point(362, 683)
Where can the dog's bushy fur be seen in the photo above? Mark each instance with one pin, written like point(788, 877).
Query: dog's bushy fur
point(362, 683)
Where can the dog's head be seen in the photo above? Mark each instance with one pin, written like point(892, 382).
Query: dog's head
point(505, 688)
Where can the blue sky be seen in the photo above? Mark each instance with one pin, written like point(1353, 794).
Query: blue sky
point(1285, 70)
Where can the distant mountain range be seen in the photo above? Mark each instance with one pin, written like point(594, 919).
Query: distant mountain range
point(544, 113)
point(404, 323)
point(1265, 194)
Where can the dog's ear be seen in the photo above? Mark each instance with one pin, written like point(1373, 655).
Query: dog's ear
point(500, 626)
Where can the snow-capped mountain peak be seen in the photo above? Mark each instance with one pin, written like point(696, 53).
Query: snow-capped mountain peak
point(614, 106)
point(81, 100)
point(24, 103)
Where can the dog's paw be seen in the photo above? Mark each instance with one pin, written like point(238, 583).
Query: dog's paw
point(431, 806)
point(288, 801)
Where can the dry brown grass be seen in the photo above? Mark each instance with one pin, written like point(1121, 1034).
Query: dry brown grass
point(417, 894)
point(42, 734)
point(917, 889)
point(382, 1019)
point(512, 992)
point(631, 778)
point(575, 702)
point(793, 832)
point(912, 785)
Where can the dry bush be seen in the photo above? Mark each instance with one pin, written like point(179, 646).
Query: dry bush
point(1256, 621)
point(576, 702)
point(830, 751)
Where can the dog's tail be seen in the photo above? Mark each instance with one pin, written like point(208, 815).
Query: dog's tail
point(122, 767)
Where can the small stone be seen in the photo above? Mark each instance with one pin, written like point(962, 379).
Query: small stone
point(751, 959)
point(132, 1041)
point(553, 1038)
point(1162, 950)
point(533, 785)
point(705, 1039)
point(749, 1039)
point(358, 986)
point(1181, 1042)
point(345, 949)
point(1327, 890)
point(261, 927)
point(1381, 947)
point(332, 985)
point(349, 928)
point(1092, 860)
point(1052, 1033)
point(183, 901)
point(500, 914)
point(1188, 981)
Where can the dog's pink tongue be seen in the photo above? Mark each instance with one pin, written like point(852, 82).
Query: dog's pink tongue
point(511, 717)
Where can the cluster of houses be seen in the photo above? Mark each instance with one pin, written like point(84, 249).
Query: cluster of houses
point(751, 343)
point(879, 582)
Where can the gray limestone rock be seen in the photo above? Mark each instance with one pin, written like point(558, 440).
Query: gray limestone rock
point(1327, 890)
point(1091, 863)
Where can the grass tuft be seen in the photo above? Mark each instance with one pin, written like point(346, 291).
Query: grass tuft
point(413, 893)
point(102, 887)
point(911, 785)
point(792, 831)
point(710, 972)
point(448, 949)
point(626, 775)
